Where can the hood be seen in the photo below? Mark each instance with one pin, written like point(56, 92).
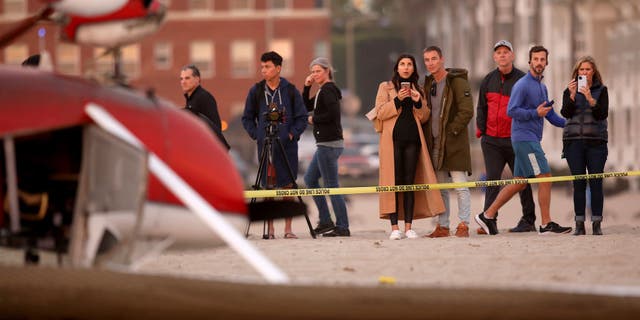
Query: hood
point(451, 73)
point(457, 73)
point(331, 86)
point(284, 82)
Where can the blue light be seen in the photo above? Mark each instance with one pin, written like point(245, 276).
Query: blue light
point(42, 32)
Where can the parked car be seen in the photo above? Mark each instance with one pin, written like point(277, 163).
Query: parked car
point(354, 164)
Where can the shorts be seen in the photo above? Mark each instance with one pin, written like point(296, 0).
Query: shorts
point(530, 160)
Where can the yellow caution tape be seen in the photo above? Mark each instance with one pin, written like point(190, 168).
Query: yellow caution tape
point(422, 187)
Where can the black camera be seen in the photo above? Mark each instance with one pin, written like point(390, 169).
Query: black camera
point(274, 114)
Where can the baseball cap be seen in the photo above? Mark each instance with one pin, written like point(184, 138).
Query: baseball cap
point(503, 43)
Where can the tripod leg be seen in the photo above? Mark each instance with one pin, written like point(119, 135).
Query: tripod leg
point(260, 176)
point(294, 184)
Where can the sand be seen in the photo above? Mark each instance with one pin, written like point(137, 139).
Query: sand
point(505, 260)
point(365, 276)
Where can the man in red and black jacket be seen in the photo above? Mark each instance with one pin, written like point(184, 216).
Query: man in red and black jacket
point(494, 129)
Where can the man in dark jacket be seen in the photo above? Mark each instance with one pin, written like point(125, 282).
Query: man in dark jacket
point(200, 102)
point(494, 129)
point(275, 92)
point(449, 98)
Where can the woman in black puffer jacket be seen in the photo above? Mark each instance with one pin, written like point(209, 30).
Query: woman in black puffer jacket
point(586, 109)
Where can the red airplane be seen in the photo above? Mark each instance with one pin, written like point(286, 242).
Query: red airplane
point(108, 24)
point(108, 174)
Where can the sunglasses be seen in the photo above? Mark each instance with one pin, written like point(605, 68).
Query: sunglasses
point(434, 88)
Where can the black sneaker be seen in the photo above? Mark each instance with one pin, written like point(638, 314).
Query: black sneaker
point(523, 226)
point(338, 232)
point(488, 225)
point(324, 227)
point(553, 227)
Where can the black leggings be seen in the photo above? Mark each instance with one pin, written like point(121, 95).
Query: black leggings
point(405, 154)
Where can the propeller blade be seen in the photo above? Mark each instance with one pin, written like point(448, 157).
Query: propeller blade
point(24, 26)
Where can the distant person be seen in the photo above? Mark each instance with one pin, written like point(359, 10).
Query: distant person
point(404, 158)
point(278, 94)
point(200, 102)
point(494, 130)
point(447, 136)
point(585, 136)
point(327, 130)
point(528, 106)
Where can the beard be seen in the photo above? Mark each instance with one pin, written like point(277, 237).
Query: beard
point(538, 69)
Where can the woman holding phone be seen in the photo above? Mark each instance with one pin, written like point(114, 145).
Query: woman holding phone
point(586, 109)
point(404, 159)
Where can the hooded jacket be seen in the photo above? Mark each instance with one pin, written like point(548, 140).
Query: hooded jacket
point(326, 115)
point(294, 121)
point(456, 112)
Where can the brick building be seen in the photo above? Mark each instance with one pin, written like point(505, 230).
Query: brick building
point(224, 38)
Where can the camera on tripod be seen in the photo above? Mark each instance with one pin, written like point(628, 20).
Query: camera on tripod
point(274, 115)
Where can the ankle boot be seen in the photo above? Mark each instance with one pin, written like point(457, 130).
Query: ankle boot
point(579, 229)
point(596, 228)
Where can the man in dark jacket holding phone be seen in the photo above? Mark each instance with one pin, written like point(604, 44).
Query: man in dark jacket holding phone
point(494, 130)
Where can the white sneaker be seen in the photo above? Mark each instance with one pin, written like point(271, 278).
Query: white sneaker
point(396, 235)
point(410, 234)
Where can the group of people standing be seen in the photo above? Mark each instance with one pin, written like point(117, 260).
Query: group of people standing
point(424, 138)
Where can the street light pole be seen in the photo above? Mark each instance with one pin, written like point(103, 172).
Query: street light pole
point(349, 38)
point(350, 53)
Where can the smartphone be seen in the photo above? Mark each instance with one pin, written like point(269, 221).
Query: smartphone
point(582, 81)
point(550, 103)
point(405, 85)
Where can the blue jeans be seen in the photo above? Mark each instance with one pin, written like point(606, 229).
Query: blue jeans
point(583, 156)
point(325, 165)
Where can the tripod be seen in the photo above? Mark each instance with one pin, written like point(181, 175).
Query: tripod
point(266, 158)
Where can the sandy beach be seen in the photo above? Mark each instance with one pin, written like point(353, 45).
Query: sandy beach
point(483, 276)
point(506, 260)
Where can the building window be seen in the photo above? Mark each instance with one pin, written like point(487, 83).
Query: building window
point(163, 55)
point(15, 54)
point(199, 5)
point(243, 53)
point(279, 4)
point(321, 49)
point(285, 48)
point(319, 4)
point(131, 61)
point(201, 54)
point(241, 5)
point(15, 7)
point(103, 62)
point(68, 59)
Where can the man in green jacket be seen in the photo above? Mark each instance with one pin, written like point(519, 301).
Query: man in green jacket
point(449, 97)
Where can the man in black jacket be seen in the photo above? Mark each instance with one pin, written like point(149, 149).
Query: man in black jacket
point(200, 102)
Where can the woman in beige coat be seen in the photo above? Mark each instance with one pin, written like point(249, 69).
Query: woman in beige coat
point(404, 159)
